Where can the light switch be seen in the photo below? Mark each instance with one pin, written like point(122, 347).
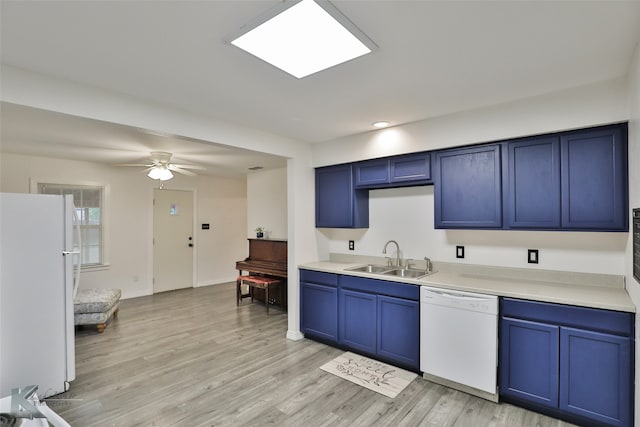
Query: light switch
point(532, 256)
point(459, 251)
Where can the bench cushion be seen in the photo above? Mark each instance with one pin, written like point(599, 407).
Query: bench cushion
point(258, 280)
point(96, 300)
point(94, 318)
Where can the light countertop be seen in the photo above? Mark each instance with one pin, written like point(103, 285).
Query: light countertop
point(581, 289)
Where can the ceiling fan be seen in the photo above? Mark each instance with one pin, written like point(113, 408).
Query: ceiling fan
point(161, 167)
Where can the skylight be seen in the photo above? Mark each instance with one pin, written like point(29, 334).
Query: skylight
point(305, 38)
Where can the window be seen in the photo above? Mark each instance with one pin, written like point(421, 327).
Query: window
point(88, 202)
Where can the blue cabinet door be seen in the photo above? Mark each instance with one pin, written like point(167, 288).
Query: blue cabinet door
point(396, 171)
point(398, 331)
point(594, 179)
point(338, 203)
point(372, 173)
point(357, 320)
point(410, 169)
point(528, 368)
point(533, 196)
point(319, 311)
point(468, 188)
point(595, 376)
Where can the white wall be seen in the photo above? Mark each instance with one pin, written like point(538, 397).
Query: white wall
point(218, 201)
point(267, 203)
point(406, 215)
point(634, 199)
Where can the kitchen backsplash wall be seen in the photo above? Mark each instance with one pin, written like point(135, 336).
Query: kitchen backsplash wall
point(406, 215)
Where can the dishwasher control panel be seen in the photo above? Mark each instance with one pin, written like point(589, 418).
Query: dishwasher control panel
point(458, 299)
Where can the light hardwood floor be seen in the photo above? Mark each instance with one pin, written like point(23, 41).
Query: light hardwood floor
point(192, 358)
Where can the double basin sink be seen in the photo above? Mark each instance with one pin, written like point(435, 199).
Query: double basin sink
point(385, 270)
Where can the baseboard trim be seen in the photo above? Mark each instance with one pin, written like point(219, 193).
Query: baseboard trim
point(295, 335)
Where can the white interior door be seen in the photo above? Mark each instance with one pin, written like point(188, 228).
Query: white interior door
point(172, 240)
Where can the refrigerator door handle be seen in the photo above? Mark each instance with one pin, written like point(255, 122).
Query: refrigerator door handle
point(76, 227)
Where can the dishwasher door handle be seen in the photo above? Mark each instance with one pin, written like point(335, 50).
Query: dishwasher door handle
point(459, 296)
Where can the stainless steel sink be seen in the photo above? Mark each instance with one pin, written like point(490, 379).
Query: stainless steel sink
point(370, 268)
point(404, 272)
point(385, 270)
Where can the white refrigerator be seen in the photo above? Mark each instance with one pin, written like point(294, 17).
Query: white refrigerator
point(36, 293)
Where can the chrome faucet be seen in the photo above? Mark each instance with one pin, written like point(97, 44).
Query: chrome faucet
point(429, 267)
point(384, 251)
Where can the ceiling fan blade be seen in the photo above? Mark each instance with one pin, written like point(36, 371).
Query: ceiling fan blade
point(140, 165)
point(175, 168)
point(189, 166)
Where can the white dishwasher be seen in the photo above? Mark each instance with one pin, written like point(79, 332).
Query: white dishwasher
point(459, 339)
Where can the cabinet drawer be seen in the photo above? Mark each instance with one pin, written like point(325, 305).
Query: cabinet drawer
point(614, 322)
point(311, 276)
point(381, 287)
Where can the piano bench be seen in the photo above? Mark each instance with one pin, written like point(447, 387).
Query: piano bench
point(266, 283)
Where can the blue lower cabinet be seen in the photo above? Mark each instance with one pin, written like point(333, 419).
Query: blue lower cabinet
point(357, 321)
point(380, 319)
point(398, 326)
point(529, 354)
point(319, 305)
point(595, 380)
point(570, 362)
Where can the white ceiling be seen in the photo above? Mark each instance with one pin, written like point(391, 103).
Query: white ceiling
point(433, 58)
point(45, 133)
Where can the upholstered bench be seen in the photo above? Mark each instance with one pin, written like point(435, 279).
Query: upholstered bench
point(260, 282)
point(96, 306)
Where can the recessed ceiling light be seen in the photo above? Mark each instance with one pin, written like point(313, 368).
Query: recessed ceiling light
point(380, 124)
point(305, 37)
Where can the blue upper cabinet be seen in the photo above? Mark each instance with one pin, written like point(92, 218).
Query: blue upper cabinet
point(532, 199)
point(372, 173)
point(396, 171)
point(338, 203)
point(413, 169)
point(594, 179)
point(575, 180)
point(468, 187)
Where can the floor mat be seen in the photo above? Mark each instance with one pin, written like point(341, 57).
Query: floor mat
point(372, 374)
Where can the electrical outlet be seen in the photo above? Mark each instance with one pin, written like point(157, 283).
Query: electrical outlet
point(532, 256)
point(352, 245)
point(459, 251)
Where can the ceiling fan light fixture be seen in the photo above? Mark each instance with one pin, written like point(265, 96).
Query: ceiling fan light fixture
point(160, 172)
point(305, 37)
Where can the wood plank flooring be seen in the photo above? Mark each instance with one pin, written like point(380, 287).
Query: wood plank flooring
point(192, 358)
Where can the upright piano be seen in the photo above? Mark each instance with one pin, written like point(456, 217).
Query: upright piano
point(267, 257)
